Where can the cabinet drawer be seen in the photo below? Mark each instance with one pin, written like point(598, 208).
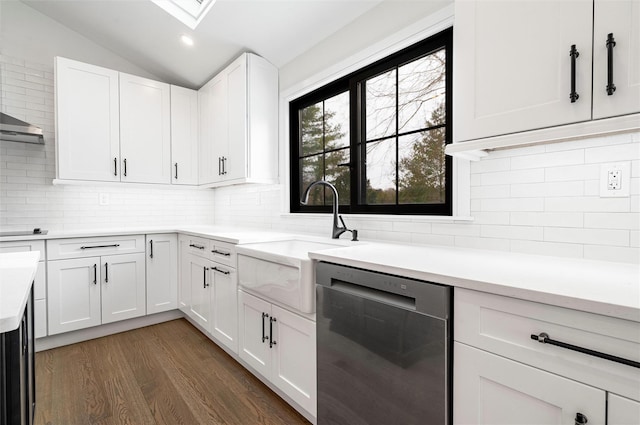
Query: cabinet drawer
point(198, 246)
point(223, 253)
point(23, 246)
point(505, 325)
point(61, 249)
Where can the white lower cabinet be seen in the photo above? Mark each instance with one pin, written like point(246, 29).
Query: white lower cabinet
point(281, 346)
point(509, 370)
point(200, 282)
point(490, 389)
point(224, 306)
point(162, 272)
point(95, 289)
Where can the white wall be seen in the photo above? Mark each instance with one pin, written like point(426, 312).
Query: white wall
point(541, 200)
point(27, 197)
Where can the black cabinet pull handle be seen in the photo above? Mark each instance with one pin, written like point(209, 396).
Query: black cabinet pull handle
point(220, 270)
point(192, 245)
point(219, 166)
point(106, 272)
point(611, 42)
point(272, 342)
point(115, 166)
point(176, 165)
point(205, 277)
point(125, 167)
point(151, 244)
point(224, 165)
point(545, 339)
point(226, 254)
point(574, 54)
point(264, 337)
point(95, 274)
point(580, 419)
point(115, 245)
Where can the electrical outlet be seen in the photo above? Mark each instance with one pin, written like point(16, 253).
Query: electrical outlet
point(104, 199)
point(615, 179)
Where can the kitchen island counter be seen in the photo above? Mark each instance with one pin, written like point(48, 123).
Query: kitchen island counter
point(17, 271)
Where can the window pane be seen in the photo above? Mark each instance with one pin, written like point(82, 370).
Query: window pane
point(381, 105)
point(336, 118)
point(338, 175)
point(381, 172)
point(312, 169)
point(421, 92)
point(311, 129)
point(422, 168)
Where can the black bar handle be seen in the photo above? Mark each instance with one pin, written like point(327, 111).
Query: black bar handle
point(106, 272)
point(221, 271)
point(205, 277)
point(176, 165)
point(196, 246)
point(226, 254)
point(151, 244)
point(115, 245)
point(115, 166)
point(219, 166)
point(125, 167)
point(544, 339)
point(611, 42)
point(574, 54)
point(224, 165)
point(272, 342)
point(95, 274)
point(264, 337)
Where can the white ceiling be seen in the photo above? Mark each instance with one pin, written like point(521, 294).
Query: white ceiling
point(147, 36)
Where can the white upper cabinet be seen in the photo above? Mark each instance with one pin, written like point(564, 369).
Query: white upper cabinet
point(145, 130)
point(513, 69)
point(239, 124)
point(621, 19)
point(184, 136)
point(88, 127)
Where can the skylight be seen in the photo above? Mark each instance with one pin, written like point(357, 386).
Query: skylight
point(189, 12)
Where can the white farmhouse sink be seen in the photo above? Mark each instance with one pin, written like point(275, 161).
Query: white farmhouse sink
point(282, 270)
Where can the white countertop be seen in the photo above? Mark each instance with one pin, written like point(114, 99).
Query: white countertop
point(607, 288)
point(17, 271)
point(611, 289)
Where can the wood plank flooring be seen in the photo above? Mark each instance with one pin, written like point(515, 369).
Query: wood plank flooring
point(163, 374)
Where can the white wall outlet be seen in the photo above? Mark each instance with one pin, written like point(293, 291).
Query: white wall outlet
point(104, 199)
point(615, 179)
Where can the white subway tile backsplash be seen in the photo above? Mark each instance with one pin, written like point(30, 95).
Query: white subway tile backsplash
point(629, 221)
point(612, 153)
point(512, 204)
point(551, 159)
point(511, 177)
point(548, 219)
point(612, 253)
point(588, 204)
point(587, 236)
point(570, 250)
point(543, 190)
point(511, 232)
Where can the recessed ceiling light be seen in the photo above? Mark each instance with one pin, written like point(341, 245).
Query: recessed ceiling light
point(186, 40)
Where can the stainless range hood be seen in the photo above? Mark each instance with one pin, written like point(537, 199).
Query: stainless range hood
point(15, 130)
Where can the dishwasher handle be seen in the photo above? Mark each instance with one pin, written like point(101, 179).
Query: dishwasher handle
point(389, 298)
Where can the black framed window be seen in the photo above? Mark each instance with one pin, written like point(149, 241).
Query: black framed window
point(379, 135)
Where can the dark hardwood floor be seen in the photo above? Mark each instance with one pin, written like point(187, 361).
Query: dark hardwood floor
point(163, 374)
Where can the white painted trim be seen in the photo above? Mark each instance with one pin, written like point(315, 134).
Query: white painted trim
point(430, 25)
point(67, 338)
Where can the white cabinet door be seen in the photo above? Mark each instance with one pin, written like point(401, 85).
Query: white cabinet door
point(622, 411)
point(512, 67)
point(40, 318)
point(621, 19)
point(200, 280)
point(184, 284)
point(145, 130)
point(294, 357)
point(213, 129)
point(87, 122)
point(253, 337)
point(162, 273)
point(235, 164)
point(184, 136)
point(224, 302)
point(489, 389)
point(123, 287)
point(73, 294)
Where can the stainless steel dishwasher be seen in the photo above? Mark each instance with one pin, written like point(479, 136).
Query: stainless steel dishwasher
point(384, 346)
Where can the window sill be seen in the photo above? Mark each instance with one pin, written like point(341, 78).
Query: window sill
point(386, 217)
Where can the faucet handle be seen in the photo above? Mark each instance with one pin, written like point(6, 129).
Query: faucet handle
point(342, 221)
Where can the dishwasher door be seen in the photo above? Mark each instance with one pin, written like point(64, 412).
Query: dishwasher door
point(381, 358)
